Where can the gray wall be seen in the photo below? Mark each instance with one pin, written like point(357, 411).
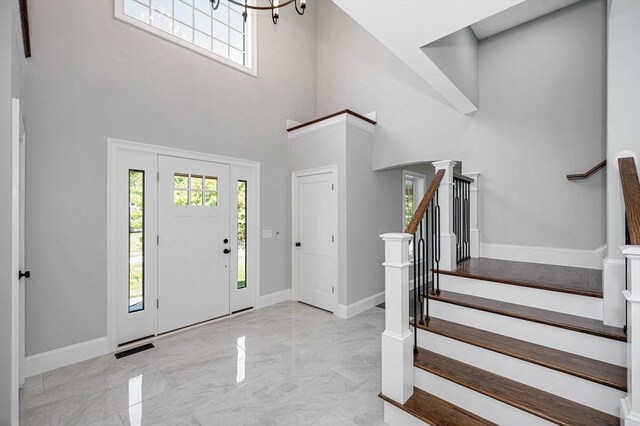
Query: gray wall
point(374, 207)
point(456, 55)
point(93, 77)
point(10, 87)
point(542, 116)
point(623, 124)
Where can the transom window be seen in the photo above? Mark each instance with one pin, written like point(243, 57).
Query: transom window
point(195, 190)
point(221, 34)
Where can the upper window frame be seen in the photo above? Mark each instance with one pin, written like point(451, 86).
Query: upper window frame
point(252, 48)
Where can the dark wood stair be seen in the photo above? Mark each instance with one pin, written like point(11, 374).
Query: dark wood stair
point(542, 316)
point(437, 412)
point(586, 368)
point(534, 401)
point(564, 279)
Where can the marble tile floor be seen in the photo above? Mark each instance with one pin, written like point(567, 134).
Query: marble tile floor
point(287, 364)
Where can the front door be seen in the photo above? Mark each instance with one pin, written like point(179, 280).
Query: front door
point(315, 262)
point(193, 242)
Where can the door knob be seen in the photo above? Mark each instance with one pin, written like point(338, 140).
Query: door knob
point(226, 241)
point(226, 251)
point(25, 274)
point(298, 244)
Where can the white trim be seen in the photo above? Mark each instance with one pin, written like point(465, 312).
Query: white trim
point(628, 417)
point(273, 298)
point(252, 56)
point(350, 311)
point(336, 246)
point(547, 255)
point(344, 118)
point(61, 357)
point(113, 147)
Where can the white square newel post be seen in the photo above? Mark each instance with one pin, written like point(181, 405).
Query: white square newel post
point(397, 338)
point(474, 232)
point(630, 406)
point(445, 201)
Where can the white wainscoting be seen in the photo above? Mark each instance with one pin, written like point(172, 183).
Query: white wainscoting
point(349, 311)
point(548, 255)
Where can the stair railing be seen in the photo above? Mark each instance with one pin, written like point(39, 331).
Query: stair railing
point(631, 251)
point(462, 216)
point(426, 252)
point(399, 343)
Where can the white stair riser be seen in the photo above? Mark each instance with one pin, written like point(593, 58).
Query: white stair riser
point(582, 391)
point(600, 348)
point(573, 304)
point(479, 404)
point(394, 416)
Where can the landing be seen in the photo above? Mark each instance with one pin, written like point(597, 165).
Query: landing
point(565, 279)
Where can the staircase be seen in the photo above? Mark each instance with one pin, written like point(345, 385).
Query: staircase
point(492, 341)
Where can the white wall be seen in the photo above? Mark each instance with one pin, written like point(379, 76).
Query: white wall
point(542, 116)
point(10, 87)
point(456, 55)
point(93, 77)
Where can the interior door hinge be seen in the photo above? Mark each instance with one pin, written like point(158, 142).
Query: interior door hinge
point(333, 290)
point(332, 188)
point(157, 240)
point(158, 176)
point(333, 238)
point(157, 303)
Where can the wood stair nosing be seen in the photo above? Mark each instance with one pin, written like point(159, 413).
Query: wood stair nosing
point(526, 398)
point(563, 279)
point(437, 412)
point(589, 369)
point(527, 313)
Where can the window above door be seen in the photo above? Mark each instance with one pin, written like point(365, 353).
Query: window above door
point(220, 34)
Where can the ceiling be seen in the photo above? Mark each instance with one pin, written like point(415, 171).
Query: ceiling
point(516, 15)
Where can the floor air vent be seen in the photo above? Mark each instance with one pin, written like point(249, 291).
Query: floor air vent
point(134, 350)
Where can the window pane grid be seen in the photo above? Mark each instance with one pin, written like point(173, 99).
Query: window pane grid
point(224, 34)
point(195, 190)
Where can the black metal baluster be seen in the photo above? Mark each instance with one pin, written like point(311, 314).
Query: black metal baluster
point(426, 261)
point(415, 297)
point(419, 265)
point(437, 239)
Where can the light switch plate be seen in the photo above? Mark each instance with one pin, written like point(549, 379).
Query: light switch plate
point(267, 233)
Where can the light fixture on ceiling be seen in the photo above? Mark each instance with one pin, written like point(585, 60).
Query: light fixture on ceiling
point(272, 5)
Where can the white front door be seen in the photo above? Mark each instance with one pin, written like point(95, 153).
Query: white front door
point(315, 224)
point(194, 242)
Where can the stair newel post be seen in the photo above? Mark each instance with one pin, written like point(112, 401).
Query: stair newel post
point(446, 200)
point(397, 338)
point(630, 413)
point(474, 232)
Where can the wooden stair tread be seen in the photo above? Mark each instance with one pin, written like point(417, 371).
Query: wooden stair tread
point(565, 279)
point(437, 412)
point(586, 368)
point(534, 401)
point(542, 316)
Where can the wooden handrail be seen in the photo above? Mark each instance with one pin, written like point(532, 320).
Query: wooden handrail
point(462, 177)
point(589, 173)
point(631, 195)
point(422, 207)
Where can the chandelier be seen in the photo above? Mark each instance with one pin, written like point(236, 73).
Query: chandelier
point(272, 5)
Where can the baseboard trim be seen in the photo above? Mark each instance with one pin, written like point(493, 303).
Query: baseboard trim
point(61, 357)
point(551, 256)
point(273, 298)
point(350, 311)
